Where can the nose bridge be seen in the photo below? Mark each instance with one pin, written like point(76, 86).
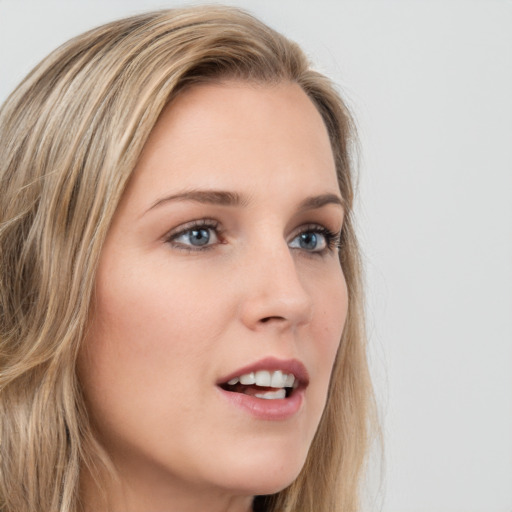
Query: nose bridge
point(275, 291)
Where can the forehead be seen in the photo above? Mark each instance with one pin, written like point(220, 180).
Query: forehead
point(240, 135)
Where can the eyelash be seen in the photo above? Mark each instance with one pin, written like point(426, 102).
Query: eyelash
point(209, 224)
point(332, 239)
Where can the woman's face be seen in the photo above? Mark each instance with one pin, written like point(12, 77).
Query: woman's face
point(219, 273)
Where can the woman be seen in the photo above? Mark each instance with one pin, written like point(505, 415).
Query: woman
point(178, 268)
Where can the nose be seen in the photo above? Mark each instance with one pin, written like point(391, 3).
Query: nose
point(274, 295)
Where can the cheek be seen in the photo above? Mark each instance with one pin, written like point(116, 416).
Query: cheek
point(331, 307)
point(158, 309)
point(154, 325)
point(143, 336)
point(146, 344)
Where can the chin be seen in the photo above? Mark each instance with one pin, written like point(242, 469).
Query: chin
point(275, 485)
point(265, 473)
point(261, 483)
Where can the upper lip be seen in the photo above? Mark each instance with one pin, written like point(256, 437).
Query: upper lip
point(293, 366)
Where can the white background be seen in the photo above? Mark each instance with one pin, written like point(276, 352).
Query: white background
point(430, 83)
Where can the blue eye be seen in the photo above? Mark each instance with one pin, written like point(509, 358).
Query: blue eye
point(196, 236)
point(310, 241)
point(315, 239)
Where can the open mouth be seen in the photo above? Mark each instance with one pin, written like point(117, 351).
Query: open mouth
point(269, 385)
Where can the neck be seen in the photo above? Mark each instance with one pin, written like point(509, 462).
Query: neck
point(124, 494)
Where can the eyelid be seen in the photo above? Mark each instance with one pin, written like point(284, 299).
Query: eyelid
point(332, 238)
point(204, 223)
point(314, 226)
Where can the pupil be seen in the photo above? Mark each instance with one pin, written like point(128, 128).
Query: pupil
point(199, 236)
point(308, 240)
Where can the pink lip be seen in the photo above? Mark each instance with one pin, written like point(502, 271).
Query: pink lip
point(270, 410)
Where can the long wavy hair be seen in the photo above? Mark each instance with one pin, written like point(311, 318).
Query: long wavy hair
point(70, 137)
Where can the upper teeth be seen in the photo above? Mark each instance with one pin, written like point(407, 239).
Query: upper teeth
point(265, 378)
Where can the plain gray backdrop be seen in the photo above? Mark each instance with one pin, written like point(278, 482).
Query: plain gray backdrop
point(430, 84)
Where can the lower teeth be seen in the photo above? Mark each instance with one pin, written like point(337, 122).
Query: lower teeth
point(272, 395)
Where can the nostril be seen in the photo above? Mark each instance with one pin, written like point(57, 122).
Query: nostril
point(268, 318)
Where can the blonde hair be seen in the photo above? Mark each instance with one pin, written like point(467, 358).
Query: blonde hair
point(70, 136)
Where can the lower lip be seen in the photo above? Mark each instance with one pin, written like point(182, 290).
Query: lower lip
point(267, 409)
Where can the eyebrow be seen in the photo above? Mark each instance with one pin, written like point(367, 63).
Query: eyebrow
point(225, 198)
point(315, 202)
point(217, 197)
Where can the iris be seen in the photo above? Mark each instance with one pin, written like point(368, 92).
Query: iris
point(308, 241)
point(199, 237)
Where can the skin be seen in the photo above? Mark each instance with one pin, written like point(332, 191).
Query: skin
point(169, 320)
